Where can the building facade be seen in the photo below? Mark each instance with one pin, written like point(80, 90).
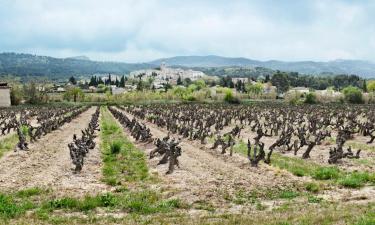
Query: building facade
point(4, 95)
point(165, 74)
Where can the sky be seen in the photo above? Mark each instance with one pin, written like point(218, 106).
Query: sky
point(144, 30)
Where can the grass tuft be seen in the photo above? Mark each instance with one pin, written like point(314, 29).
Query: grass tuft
point(326, 173)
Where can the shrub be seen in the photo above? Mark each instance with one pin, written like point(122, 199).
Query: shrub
point(353, 95)
point(115, 147)
point(312, 187)
point(15, 95)
point(310, 98)
point(292, 97)
point(230, 98)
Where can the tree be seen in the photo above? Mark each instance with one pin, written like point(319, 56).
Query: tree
point(281, 81)
point(371, 86)
point(256, 88)
point(74, 93)
point(73, 80)
point(31, 93)
point(93, 81)
point(200, 84)
point(187, 82)
point(267, 79)
point(353, 94)
point(179, 80)
point(15, 95)
point(364, 86)
point(122, 81)
point(238, 86)
point(167, 86)
point(140, 85)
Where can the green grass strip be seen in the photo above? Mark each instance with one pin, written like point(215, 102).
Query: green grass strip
point(123, 162)
point(300, 167)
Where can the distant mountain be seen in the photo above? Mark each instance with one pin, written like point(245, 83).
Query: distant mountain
point(80, 57)
point(205, 61)
point(25, 65)
point(358, 67)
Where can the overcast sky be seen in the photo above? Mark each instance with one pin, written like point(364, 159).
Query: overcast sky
point(143, 30)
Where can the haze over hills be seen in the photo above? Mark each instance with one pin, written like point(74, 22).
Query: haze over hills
point(24, 65)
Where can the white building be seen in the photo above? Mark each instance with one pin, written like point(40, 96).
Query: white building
point(165, 74)
point(301, 90)
point(118, 90)
point(237, 79)
point(4, 95)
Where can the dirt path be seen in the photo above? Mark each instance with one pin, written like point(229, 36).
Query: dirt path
point(48, 165)
point(207, 175)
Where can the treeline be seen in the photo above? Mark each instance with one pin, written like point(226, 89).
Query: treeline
point(284, 80)
point(95, 81)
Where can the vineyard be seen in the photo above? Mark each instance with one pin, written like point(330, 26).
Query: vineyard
point(263, 163)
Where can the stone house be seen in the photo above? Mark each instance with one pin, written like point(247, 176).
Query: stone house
point(4, 95)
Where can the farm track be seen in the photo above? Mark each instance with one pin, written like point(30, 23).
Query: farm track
point(207, 175)
point(48, 165)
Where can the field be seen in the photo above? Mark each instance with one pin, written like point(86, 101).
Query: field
point(259, 163)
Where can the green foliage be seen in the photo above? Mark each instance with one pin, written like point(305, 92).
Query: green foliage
point(29, 192)
point(31, 93)
point(74, 93)
point(179, 81)
point(371, 86)
point(9, 208)
point(129, 164)
point(24, 130)
point(356, 179)
point(73, 80)
point(256, 88)
point(312, 187)
point(230, 98)
point(281, 81)
point(326, 173)
point(116, 146)
point(16, 95)
point(353, 95)
point(8, 143)
point(310, 98)
point(314, 199)
point(200, 84)
point(367, 219)
point(287, 194)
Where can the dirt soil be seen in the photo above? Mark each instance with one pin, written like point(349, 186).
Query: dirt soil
point(205, 175)
point(48, 165)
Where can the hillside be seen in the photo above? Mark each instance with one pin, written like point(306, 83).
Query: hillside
point(358, 67)
point(24, 65)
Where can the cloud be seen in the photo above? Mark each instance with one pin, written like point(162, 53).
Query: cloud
point(141, 30)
